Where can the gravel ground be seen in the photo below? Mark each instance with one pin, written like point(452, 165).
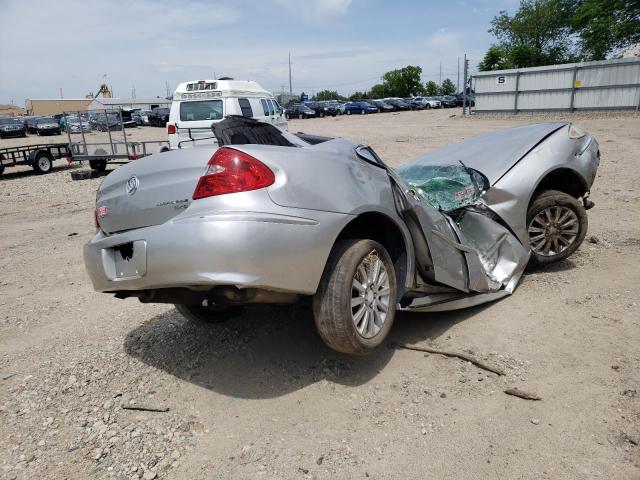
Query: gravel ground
point(262, 397)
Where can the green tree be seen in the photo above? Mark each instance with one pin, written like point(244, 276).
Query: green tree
point(403, 82)
point(496, 58)
point(358, 96)
point(447, 87)
point(328, 95)
point(538, 33)
point(378, 91)
point(604, 27)
point(431, 88)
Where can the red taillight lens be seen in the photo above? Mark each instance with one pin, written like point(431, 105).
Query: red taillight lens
point(171, 129)
point(231, 171)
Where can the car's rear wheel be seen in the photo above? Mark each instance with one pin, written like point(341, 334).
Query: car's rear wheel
point(557, 224)
point(212, 313)
point(300, 116)
point(348, 112)
point(363, 112)
point(354, 306)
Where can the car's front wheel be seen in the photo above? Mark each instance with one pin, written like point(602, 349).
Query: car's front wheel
point(355, 304)
point(557, 224)
point(212, 313)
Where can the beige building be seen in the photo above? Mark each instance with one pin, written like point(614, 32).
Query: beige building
point(11, 110)
point(56, 105)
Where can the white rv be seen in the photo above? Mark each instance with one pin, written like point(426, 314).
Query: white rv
point(200, 103)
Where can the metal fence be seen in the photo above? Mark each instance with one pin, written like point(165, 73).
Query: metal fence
point(602, 85)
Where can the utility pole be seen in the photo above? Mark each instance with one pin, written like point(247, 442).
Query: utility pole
point(464, 86)
point(440, 83)
point(61, 95)
point(166, 86)
point(458, 81)
point(290, 88)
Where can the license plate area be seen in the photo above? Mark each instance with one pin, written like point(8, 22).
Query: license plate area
point(126, 261)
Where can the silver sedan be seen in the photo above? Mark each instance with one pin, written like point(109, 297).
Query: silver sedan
point(270, 217)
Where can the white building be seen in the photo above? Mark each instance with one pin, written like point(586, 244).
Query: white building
point(128, 103)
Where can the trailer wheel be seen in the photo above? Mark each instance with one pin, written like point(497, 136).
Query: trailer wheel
point(42, 162)
point(98, 165)
point(1, 165)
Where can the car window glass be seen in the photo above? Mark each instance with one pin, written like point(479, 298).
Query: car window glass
point(201, 110)
point(277, 106)
point(245, 107)
point(265, 106)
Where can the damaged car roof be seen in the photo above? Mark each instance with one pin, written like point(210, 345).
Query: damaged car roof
point(493, 153)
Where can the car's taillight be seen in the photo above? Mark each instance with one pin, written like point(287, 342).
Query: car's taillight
point(231, 171)
point(171, 129)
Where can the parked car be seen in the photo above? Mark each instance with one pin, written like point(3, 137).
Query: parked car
point(141, 117)
point(448, 101)
point(12, 127)
point(76, 124)
point(31, 123)
point(331, 108)
point(281, 217)
point(339, 106)
point(299, 110)
point(382, 106)
point(416, 103)
point(48, 126)
point(360, 107)
point(322, 109)
point(397, 104)
point(431, 102)
point(104, 122)
point(159, 117)
point(471, 99)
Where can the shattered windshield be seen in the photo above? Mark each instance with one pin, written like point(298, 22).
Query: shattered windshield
point(445, 187)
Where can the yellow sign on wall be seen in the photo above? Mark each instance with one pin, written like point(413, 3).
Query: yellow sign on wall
point(577, 83)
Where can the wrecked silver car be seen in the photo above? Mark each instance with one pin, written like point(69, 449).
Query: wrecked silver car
point(269, 217)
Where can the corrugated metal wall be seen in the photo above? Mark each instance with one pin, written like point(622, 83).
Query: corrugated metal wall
point(608, 84)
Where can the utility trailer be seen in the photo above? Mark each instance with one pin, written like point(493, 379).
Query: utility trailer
point(40, 157)
point(106, 140)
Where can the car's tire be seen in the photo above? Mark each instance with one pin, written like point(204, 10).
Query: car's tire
point(351, 319)
point(286, 115)
point(348, 112)
point(557, 224)
point(209, 314)
point(363, 111)
point(300, 116)
point(427, 107)
point(42, 163)
point(98, 165)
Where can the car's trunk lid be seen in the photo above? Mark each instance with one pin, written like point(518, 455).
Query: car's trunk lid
point(150, 191)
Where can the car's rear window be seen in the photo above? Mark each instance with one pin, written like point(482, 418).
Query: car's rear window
point(201, 110)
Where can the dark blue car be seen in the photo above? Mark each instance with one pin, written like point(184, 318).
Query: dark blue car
point(359, 107)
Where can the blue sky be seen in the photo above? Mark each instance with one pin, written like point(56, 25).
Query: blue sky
point(343, 45)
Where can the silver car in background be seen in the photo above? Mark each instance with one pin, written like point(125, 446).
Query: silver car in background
point(269, 217)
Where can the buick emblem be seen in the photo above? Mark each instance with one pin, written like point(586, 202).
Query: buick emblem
point(132, 185)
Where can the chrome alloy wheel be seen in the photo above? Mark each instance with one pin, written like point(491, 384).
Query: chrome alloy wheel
point(553, 230)
point(370, 291)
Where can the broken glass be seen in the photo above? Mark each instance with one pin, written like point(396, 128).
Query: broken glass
point(445, 187)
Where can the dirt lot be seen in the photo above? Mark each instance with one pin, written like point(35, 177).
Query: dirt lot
point(262, 397)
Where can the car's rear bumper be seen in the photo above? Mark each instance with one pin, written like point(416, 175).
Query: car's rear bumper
point(243, 249)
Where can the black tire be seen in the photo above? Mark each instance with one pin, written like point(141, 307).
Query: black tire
point(81, 175)
point(550, 199)
point(210, 314)
point(1, 166)
point(286, 115)
point(300, 116)
point(348, 112)
point(363, 111)
point(427, 107)
point(98, 165)
point(42, 163)
point(332, 302)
